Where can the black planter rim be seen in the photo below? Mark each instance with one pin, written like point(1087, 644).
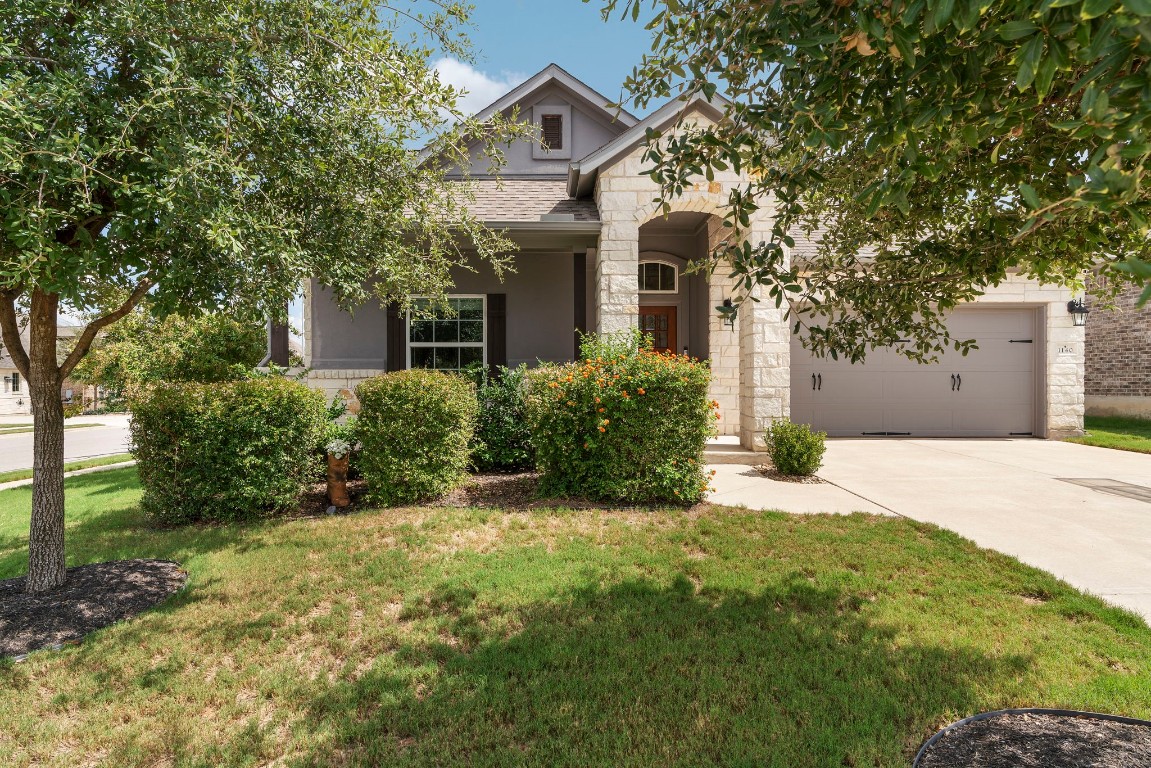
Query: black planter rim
point(1025, 711)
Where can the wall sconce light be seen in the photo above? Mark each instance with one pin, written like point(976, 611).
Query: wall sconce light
point(7, 383)
point(728, 311)
point(1079, 312)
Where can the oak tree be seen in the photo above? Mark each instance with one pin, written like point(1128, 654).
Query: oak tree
point(928, 148)
point(208, 155)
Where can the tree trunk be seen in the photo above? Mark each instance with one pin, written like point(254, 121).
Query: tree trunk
point(46, 533)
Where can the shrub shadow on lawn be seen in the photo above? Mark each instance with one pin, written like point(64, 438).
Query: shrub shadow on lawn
point(641, 673)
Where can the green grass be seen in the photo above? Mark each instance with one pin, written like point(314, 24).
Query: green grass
point(99, 461)
point(17, 429)
point(465, 637)
point(1117, 432)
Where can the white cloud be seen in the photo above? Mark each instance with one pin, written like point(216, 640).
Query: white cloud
point(481, 88)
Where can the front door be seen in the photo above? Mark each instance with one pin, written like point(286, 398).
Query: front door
point(659, 323)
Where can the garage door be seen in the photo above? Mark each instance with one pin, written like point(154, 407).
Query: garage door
point(988, 392)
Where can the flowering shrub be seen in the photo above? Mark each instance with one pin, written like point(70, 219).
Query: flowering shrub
point(226, 451)
point(414, 428)
point(625, 424)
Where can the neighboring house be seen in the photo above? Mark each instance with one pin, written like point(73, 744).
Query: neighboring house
point(14, 398)
point(1119, 359)
point(596, 254)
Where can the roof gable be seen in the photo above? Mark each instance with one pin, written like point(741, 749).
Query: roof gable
point(582, 174)
point(553, 74)
point(573, 111)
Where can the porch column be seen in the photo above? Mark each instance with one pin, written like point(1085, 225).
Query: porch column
point(617, 272)
point(765, 370)
point(723, 346)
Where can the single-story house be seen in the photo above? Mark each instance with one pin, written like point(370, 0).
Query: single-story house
point(1118, 379)
point(597, 254)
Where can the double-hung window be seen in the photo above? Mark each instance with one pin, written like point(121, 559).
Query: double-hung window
point(451, 339)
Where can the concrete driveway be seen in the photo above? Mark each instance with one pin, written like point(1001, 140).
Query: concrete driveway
point(1009, 495)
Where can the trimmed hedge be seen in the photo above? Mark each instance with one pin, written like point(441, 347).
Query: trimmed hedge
point(503, 440)
point(625, 424)
point(414, 429)
point(227, 451)
point(794, 448)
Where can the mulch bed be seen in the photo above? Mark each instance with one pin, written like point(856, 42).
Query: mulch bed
point(502, 490)
point(1041, 741)
point(772, 473)
point(94, 596)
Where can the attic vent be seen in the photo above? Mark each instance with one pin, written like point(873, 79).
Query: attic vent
point(553, 131)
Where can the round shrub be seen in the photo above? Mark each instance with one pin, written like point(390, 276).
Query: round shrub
point(794, 448)
point(623, 425)
point(502, 441)
point(414, 429)
point(227, 451)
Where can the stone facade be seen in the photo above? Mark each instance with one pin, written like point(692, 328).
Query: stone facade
point(1118, 359)
point(342, 383)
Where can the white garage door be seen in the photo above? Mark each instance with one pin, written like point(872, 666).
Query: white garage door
point(988, 392)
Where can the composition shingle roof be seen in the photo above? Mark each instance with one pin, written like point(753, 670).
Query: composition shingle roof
point(526, 200)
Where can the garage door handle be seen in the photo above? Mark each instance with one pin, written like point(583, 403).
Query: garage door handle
point(953, 382)
point(821, 382)
point(958, 382)
point(813, 382)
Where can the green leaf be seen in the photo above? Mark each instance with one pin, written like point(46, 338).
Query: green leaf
point(943, 11)
point(1029, 62)
point(1030, 195)
point(1013, 30)
point(1094, 8)
point(1138, 7)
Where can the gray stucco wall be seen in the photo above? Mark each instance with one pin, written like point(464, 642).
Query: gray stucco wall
point(339, 339)
point(589, 132)
point(540, 316)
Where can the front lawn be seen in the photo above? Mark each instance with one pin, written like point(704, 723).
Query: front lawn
point(432, 636)
point(1118, 432)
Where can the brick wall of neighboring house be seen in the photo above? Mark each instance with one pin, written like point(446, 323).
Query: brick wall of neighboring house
point(1118, 380)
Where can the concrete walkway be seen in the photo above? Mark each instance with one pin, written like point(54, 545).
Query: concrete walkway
point(1009, 495)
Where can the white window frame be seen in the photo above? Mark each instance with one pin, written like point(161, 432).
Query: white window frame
point(483, 345)
point(675, 272)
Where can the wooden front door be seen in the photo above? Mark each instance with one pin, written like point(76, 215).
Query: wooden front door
point(659, 323)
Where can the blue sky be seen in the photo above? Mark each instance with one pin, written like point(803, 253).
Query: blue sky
point(514, 39)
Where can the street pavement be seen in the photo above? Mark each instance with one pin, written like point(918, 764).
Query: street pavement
point(109, 438)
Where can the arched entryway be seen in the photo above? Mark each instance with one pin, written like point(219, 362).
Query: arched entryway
point(677, 306)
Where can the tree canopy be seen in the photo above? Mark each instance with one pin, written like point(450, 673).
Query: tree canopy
point(928, 148)
point(209, 155)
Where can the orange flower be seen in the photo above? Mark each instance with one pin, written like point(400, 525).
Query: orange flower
point(601, 410)
point(601, 429)
point(641, 391)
